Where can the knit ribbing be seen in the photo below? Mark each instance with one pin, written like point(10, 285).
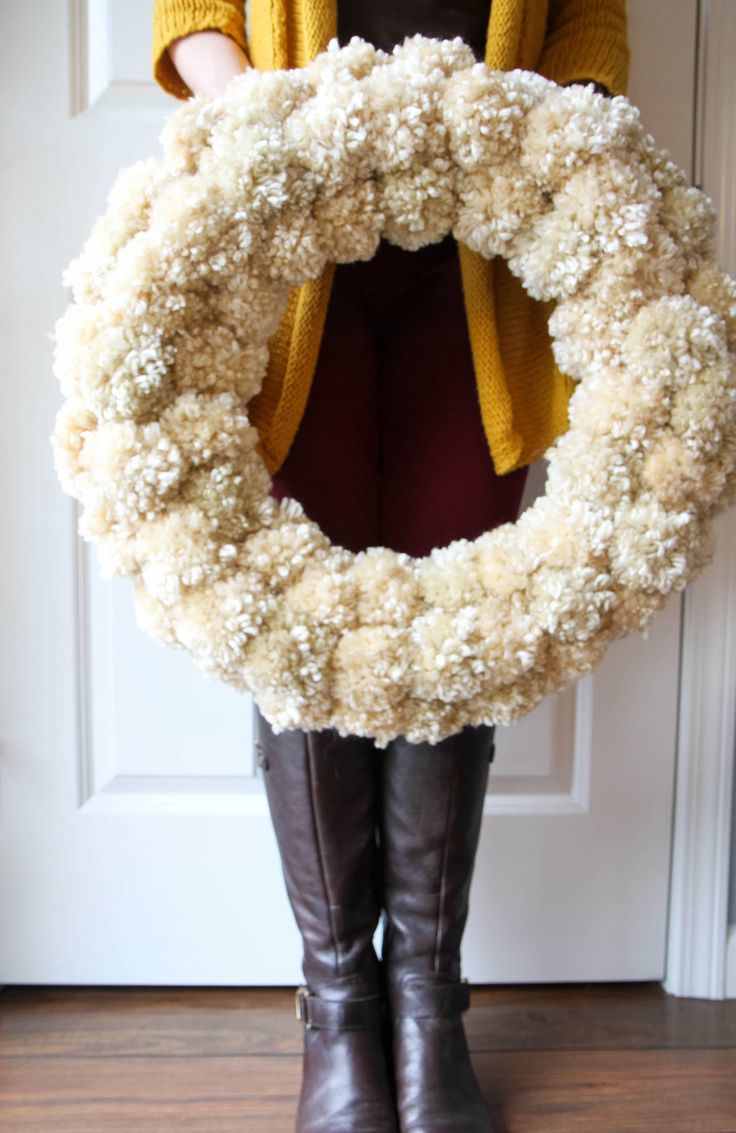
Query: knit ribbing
point(504, 34)
point(315, 25)
point(580, 30)
point(505, 443)
point(277, 410)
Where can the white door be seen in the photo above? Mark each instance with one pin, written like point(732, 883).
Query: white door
point(135, 845)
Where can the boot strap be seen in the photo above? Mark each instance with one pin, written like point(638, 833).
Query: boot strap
point(427, 1001)
point(337, 1014)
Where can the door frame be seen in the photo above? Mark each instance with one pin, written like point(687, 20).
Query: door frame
point(701, 946)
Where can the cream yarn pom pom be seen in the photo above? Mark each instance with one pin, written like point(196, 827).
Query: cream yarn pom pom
point(183, 281)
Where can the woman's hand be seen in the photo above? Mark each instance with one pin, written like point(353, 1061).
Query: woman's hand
point(207, 60)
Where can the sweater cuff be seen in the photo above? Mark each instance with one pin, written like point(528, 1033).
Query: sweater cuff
point(174, 19)
point(595, 55)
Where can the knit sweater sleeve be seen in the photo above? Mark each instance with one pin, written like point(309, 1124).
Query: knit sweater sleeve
point(175, 18)
point(587, 39)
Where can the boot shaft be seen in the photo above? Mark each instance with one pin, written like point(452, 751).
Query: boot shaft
point(430, 823)
point(322, 792)
point(432, 810)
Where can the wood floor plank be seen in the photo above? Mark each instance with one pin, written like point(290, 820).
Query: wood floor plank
point(222, 1021)
point(556, 1059)
point(88, 1095)
point(155, 1021)
point(538, 1092)
point(611, 1092)
point(598, 1016)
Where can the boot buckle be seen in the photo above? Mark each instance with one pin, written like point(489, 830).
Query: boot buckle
point(302, 994)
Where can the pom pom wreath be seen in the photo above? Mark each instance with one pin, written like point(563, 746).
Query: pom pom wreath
point(184, 279)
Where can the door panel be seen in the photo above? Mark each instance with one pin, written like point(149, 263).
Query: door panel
point(135, 844)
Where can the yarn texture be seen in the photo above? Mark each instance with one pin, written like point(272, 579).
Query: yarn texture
point(183, 280)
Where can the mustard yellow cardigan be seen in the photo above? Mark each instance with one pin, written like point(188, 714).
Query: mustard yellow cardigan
point(523, 396)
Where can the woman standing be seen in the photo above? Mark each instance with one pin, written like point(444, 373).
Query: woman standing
point(405, 399)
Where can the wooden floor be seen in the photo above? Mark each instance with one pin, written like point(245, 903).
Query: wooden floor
point(597, 1058)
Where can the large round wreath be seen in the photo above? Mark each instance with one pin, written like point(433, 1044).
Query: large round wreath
point(184, 279)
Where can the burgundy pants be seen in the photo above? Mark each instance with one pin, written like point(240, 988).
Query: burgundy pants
point(391, 449)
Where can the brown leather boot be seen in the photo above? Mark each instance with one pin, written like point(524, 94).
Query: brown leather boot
point(322, 792)
point(432, 809)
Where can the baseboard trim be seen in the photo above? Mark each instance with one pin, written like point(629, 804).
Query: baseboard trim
point(731, 963)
